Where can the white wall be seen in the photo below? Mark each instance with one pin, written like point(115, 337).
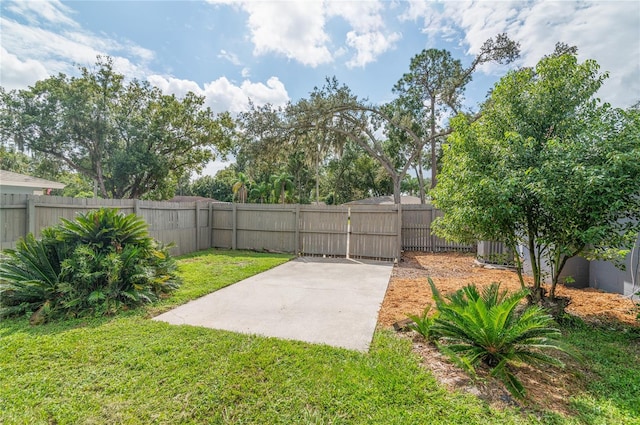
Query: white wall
point(602, 275)
point(19, 190)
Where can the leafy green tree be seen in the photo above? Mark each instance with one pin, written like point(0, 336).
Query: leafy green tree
point(547, 166)
point(355, 175)
point(261, 192)
point(129, 138)
point(212, 187)
point(433, 91)
point(14, 160)
point(334, 108)
point(76, 185)
point(266, 143)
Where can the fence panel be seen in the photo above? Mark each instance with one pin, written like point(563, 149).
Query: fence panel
point(417, 231)
point(191, 226)
point(416, 227)
point(222, 225)
point(374, 232)
point(172, 222)
point(323, 230)
point(13, 220)
point(266, 227)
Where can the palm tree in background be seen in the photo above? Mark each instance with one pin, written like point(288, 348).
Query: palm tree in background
point(282, 183)
point(241, 187)
point(261, 192)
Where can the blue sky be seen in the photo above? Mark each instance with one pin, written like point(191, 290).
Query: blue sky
point(277, 51)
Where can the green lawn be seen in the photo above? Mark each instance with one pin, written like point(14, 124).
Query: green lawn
point(131, 370)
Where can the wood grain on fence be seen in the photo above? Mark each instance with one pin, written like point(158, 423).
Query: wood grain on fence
point(358, 231)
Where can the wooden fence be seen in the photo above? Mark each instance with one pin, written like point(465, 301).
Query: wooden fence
point(417, 231)
point(357, 231)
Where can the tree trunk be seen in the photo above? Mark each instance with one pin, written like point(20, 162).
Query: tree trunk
point(537, 293)
point(100, 179)
point(420, 179)
point(318, 178)
point(434, 156)
point(396, 188)
point(518, 260)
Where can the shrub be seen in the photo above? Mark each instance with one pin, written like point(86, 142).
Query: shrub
point(423, 323)
point(491, 327)
point(97, 264)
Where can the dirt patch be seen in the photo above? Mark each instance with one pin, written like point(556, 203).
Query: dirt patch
point(409, 293)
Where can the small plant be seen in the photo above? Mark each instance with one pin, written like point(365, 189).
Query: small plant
point(97, 264)
point(422, 323)
point(490, 327)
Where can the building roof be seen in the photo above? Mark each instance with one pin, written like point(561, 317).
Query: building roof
point(9, 178)
point(385, 200)
point(184, 198)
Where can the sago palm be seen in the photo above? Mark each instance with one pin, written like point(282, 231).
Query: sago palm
point(28, 276)
point(490, 327)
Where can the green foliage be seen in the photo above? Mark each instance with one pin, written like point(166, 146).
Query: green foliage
point(489, 327)
point(29, 276)
point(282, 186)
point(97, 264)
point(423, 323)
point(546, 166)
point(218, 187)
point(241, 187)
point(128, 137)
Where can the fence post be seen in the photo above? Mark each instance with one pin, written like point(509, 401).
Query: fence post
point(348, 230)
point(399, 246)
point(296, 245)
point(432, 239)
point(210, 225)
point(234, 231)
point(31, 215)
point(136, 207)
point(197, 207)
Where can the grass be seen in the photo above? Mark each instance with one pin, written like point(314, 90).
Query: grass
point(612, 357)
point(131, 370)
point(206, 271)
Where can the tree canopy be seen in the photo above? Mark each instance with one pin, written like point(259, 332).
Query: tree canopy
point(434, 84)
point(129, 138)
point(548, 166)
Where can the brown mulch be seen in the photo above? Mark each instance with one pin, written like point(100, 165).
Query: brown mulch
point(409, 293)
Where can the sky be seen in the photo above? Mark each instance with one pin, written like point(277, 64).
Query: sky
point(278, 51)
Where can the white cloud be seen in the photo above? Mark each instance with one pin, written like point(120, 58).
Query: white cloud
point(293, 29)
point(222, 95)
point(368, 37)
point(33, 47)
point(369, 46)
point(363, 16)
point(53, 11)
point(605, 31)
point(231, 57)
point(297, 30)
point(170, 85)
point(17, 74)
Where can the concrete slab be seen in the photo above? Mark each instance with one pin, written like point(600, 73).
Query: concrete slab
point(317, 300)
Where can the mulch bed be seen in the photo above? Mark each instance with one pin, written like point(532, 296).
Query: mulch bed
point(409, 293)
